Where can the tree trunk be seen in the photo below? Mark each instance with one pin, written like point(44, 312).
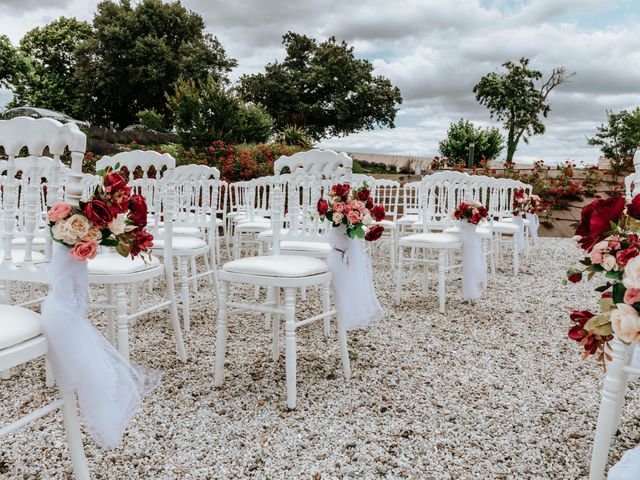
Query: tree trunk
point(511, 144)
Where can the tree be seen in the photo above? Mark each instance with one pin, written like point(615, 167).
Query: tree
point(137, 53)
point(50, 82)
point(207, 112)
point(514, 98)
point(12, 63)
point(323, 88)
point(620, 138)
point(488, 143)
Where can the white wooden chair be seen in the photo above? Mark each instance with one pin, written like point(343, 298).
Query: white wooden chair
point(116, 273)
point(278, 272)
point(21, 338)
point(247, 228)
point(500, 213)
point(410, 206)
point(387, 193)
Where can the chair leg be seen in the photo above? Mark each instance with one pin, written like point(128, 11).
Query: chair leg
point(394, 248)
point(441, 278)
point(122, 320)
point(74, 437)
point(615, 383)
point(326, 306)
point(194, 272)
point(290, 345)
point(492, 258)
point(49, 378)
point(270, 299)
point(516, 256)
point(275, 325)
point(183, 281)
point(111, 330)
point(399, 274)
point(135, 302)
point(344, 350)
point(173, 310)
point(221, 336)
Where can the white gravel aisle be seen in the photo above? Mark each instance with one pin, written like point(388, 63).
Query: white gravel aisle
point(491, 390)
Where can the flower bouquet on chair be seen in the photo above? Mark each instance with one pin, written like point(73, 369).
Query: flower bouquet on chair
point(474, 269)
point(111, 217)
point(109, 387)
point(352, 216)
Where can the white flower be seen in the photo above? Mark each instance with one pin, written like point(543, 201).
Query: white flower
point(59, 232)
point(625, 322)
point(631, 277)
point(367, 220)
point(118, 224)
point(77, 226)
point(609, 262)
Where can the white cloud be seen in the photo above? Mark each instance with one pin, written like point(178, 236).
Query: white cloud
point(434, 51)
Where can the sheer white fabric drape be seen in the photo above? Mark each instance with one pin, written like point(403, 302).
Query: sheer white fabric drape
point(354, 293)
point(520, 240)
point(109, 387)
point(628, 468)
point(534, 224)
point(474, 268)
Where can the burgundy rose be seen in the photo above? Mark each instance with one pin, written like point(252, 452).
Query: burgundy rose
point(323, 206)
point(623, 256)
point(138, 210)
point(378, 213)
point(363, 195)
point(374, 233)
point(476, 218)
point(341, 189)
point(596, 220)
point(143, 240)
point(369, 203)
point(633, 208)
point(575, 277)
point(113, 182)
point(483, 211)
point(98, 212)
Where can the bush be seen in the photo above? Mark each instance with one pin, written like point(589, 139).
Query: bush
point(256, 124)
point(296, 136)
point(488, 143)
point(150, 119)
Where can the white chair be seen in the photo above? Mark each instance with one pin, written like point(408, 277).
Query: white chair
point(21, 338)
point(116, 273)
point(247, 228)
point(278, 272)
point(387, 193)
point(501, 217)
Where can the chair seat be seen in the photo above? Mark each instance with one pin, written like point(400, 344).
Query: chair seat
point(111, 263)
point(484, 232)
point(525, 221)
point(505, 227)
point(302, 246)
point(387, 224)
point(256, 226)
point(277, 266)
point(40, 241)
point(17, 325)
point(432, 240)
point(181, 243)
point(187, 231)
point(408, 219)
point(267, 234)
point(17, 256)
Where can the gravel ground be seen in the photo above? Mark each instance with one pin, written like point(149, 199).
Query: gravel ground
point(491, 390)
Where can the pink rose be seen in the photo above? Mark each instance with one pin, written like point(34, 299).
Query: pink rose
point(614, 242)
point(336, 217)
point(353, 216)
point(358, 205)
point(338, 207)
point(596, 257)
point(632, 296)
point(59, 211)
point(85, 250)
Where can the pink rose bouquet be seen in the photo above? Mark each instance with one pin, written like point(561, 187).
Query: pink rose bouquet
point(355, 210)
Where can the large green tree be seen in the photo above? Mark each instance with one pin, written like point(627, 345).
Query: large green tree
point(488, 143)
point(12, 63)
point(138, 52)
point(514, 98)
point(324, 88)
point(50, 81)
point(619, 139)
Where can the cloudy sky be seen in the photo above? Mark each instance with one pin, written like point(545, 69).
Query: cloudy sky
point(434, 51)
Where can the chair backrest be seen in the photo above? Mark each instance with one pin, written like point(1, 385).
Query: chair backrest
point(440, 194)
point(501, 197)
point(411, 198)
point(196, 200)
point(34, 135)
point(360, 179)
point(387, 194)
point(308, 172)
point(238, 196)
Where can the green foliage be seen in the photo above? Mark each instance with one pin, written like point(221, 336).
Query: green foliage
point(256, 123)
point(324, 88)
point(137, 52)
point(50, 80)
point(150, 119)
point(514, 99)
point(619, 139)
point(488, 143)
point(298, 136)
point(12, 63)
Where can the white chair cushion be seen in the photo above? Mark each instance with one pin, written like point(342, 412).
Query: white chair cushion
point(408, 219)
point(256, 219)
point(236, 214)
point(505, 227)
point(111, 263)
point(180, 243)
point(525, 221)
point(484, 232)
point(17, 325)
point(302, 246)
point(267, 234)
point(387, 224)
point(187, 231)
point(259, 226)
point(17, 256)
point(277, 266)
point(436, 239)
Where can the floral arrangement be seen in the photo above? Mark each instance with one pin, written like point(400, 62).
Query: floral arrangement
point(608, 233)
point(471, 211)
point(524, 203)
point(354, 209)
point(112, 217)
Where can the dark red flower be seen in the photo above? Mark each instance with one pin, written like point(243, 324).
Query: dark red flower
point(323, 206)
point(143, 240)
point(575, 277)
point(580, 318)
point(378, 213)
point(363, 195)
point(369, 203)
point(623, 256)
point(483, 211)
point(341, 189)
point(596, 220)
point(138, 210)
point(374, 233)
point(98, 212)
point(633, 208)
point(476, 218)
point(113, 181)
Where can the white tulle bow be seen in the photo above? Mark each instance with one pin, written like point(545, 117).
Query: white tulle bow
point(474, 268)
